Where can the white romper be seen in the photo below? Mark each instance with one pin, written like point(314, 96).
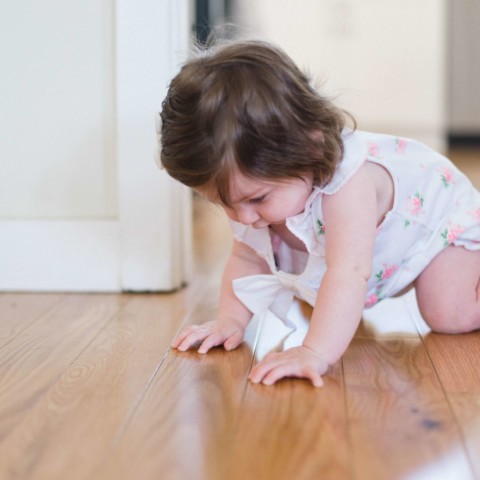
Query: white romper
point(434, 206)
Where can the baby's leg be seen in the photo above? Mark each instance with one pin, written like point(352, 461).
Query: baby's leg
point(448, 291)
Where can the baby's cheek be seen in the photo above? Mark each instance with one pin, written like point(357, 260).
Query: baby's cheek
point(272, 214)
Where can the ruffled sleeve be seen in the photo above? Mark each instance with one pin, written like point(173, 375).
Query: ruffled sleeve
point(310, 226)
point(355, 154)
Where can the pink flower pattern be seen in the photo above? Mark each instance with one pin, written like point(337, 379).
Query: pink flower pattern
point(373, 150)
point(371, 300)
point(413, 208)
point(415, 204)
point(400, 145)
point(446, 175)
point(387, 271)
point(451, 234)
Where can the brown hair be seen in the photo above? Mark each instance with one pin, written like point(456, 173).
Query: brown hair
point(247, 107)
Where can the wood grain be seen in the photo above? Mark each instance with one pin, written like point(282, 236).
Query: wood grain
point(88, 406)
point(19, 311)
point(90, 389)
point(32, 363)
point(456, 360)
point(183, 427)
point(399, 417)
point(292, 430)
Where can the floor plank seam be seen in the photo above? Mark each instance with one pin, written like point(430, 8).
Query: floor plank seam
point(56, 379)
point(444, 391)
point(92, 340)
point(349, 432)
point(134, 410)
point(38, 319)
point(452, 412)
point(197, 295)
point(247, 385)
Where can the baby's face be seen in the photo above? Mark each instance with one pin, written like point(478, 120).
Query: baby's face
point(261, 203)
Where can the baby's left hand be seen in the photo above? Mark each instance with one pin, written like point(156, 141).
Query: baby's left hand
point(295, 362)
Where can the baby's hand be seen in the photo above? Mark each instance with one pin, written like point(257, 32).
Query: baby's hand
point(211, 334)
point(299, 362)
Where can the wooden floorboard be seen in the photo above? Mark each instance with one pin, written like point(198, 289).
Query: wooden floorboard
point(19, 311)
point(31, 369)
point(183, 427)
point(185, 423)
point(399, 417)
point(90, 389)
point(292, 431)
point(456, 360)
point(96, 396)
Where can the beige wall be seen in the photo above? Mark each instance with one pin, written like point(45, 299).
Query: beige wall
point(385, 61)
point(464, 72)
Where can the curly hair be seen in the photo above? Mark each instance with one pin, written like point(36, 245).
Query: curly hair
point(246, 107)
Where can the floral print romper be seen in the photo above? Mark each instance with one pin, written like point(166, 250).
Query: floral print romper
point(434, 206)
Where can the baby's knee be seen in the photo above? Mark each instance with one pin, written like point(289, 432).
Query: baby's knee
point(452, 319)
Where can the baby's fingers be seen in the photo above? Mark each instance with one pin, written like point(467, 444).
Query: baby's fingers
point(179, 338)
point(191, 332)
point(191, 336)
point(262, 369)
point(270, 372)
point(284, 371)
point(233, 341)
point(277, 373)
point(293, 371)
point(211, 341)
point(217, 338)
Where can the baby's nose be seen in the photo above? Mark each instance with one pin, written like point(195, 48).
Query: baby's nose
point(247, 215)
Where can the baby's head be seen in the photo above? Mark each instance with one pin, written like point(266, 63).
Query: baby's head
point(246, 108)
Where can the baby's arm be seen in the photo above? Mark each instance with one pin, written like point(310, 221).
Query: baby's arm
point(350, 218)
point(232, 317)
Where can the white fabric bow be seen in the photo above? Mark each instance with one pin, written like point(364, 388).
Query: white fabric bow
point(272, 292)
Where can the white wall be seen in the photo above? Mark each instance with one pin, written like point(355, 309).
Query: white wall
point(383, 60)
point(83, 207)
point(57, 109)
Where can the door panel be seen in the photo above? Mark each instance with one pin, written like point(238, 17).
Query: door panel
point(82, 205)
point(58, 116)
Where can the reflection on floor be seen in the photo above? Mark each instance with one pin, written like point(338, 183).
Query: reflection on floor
point(90, 389)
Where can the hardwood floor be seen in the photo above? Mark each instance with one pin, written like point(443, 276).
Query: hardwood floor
point(90, 389)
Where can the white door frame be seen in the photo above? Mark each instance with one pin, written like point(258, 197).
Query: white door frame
point(148, 246)
point(152, 39)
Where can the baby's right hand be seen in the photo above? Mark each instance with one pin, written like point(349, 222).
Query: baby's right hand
point(211, 334)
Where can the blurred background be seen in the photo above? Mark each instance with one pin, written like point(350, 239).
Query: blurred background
point(402, 67)
point(82, 205)
point(399, 66)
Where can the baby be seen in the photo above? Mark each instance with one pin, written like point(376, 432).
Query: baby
point(336, 217)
